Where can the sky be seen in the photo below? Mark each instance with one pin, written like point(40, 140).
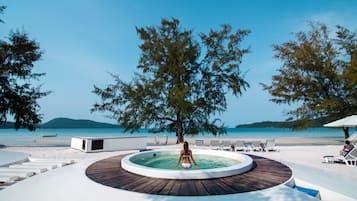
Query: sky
point(83, 41)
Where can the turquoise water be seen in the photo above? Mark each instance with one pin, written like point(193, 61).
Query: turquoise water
point(20, 137)
point(169, 162)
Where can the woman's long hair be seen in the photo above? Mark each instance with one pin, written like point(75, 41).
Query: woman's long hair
point(185, 147)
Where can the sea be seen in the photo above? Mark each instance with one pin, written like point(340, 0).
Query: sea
point(23, 137)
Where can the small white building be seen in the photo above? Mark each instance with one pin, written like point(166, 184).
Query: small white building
point(98, 144)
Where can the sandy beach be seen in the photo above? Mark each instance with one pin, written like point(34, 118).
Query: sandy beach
point(303, 156)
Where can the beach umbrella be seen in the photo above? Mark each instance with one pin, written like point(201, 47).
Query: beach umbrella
point(347, 122)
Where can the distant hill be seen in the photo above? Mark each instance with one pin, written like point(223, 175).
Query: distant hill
point(274, 124)
point(265, 124)
point(67, 123)
point(75, 123)
point(8, 125)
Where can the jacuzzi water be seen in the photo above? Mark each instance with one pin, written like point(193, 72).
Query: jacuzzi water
point(162, 164)
point(169, 162)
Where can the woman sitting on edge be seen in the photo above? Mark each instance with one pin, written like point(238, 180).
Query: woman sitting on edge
point(186, 157)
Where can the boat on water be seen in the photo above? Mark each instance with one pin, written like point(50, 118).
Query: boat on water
point(50, 135)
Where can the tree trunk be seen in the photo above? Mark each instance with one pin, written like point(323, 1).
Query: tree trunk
point(179, 132)
point(179, 137)
point(345, 130)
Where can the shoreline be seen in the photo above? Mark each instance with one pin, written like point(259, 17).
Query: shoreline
point(281, 141)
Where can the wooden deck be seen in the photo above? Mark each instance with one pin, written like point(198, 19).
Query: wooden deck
point(266, 173)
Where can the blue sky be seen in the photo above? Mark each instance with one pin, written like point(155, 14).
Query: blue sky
point(84, 40)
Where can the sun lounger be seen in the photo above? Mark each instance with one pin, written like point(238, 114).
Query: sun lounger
point(4, 185)
point(349, 159)
point(66, 161)
point(23, 174)
point(8, 179)
point(226, 145)
point(240, 146)
point(34, 166)
point(214, 144)
point(156, 139)
point(256, 146)
point(165, 139)
point(58, 164)
point(199, 143)
point(270, 145)
point(36, 170)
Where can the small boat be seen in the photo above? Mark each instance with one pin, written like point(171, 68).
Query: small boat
point(50, 135)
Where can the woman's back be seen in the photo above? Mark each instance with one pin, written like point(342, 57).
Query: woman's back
point(186, 155)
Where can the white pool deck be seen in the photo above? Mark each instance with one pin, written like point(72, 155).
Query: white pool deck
point(71, 183)
point(8, 158)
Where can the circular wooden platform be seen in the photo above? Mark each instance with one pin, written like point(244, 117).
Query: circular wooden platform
point(265, 173)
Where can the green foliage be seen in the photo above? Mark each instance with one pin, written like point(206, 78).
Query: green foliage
point(318, 73)
point(181, 83)
point(2, 8)
point(18, 97)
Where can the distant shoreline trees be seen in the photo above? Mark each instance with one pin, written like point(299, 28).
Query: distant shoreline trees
point(182, 84)
point(18, 97)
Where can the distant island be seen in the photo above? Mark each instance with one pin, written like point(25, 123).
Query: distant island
point(266, 124)
point(75, 123)
point(273, 124)
point(68, 123)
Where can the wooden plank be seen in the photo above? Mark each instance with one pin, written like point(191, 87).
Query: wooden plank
point(168, 187)
point(188, 188)
point(265, 174)
point(200, 188)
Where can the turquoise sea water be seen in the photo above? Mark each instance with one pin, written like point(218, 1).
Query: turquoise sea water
point(20, 137)
point(169, 161)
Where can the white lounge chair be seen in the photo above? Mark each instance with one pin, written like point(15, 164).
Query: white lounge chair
point(66, 161)
point(8, 179)
point(165, 139)
point(214, 144)
point(256, 146)
point(199, 143)
point(56, 163)
point(240, 145)
point(349, 159)
point(226, 145)
point(34, 166)
point(156, 139)
point(36, 170)
point(22, 174)
point(270, 145)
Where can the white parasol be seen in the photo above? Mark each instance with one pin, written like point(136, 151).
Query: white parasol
point(347, 122)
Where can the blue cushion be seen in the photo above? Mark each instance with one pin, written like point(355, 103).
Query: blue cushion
point(309, 191)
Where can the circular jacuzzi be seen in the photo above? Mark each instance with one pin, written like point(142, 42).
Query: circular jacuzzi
point(230, 163)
